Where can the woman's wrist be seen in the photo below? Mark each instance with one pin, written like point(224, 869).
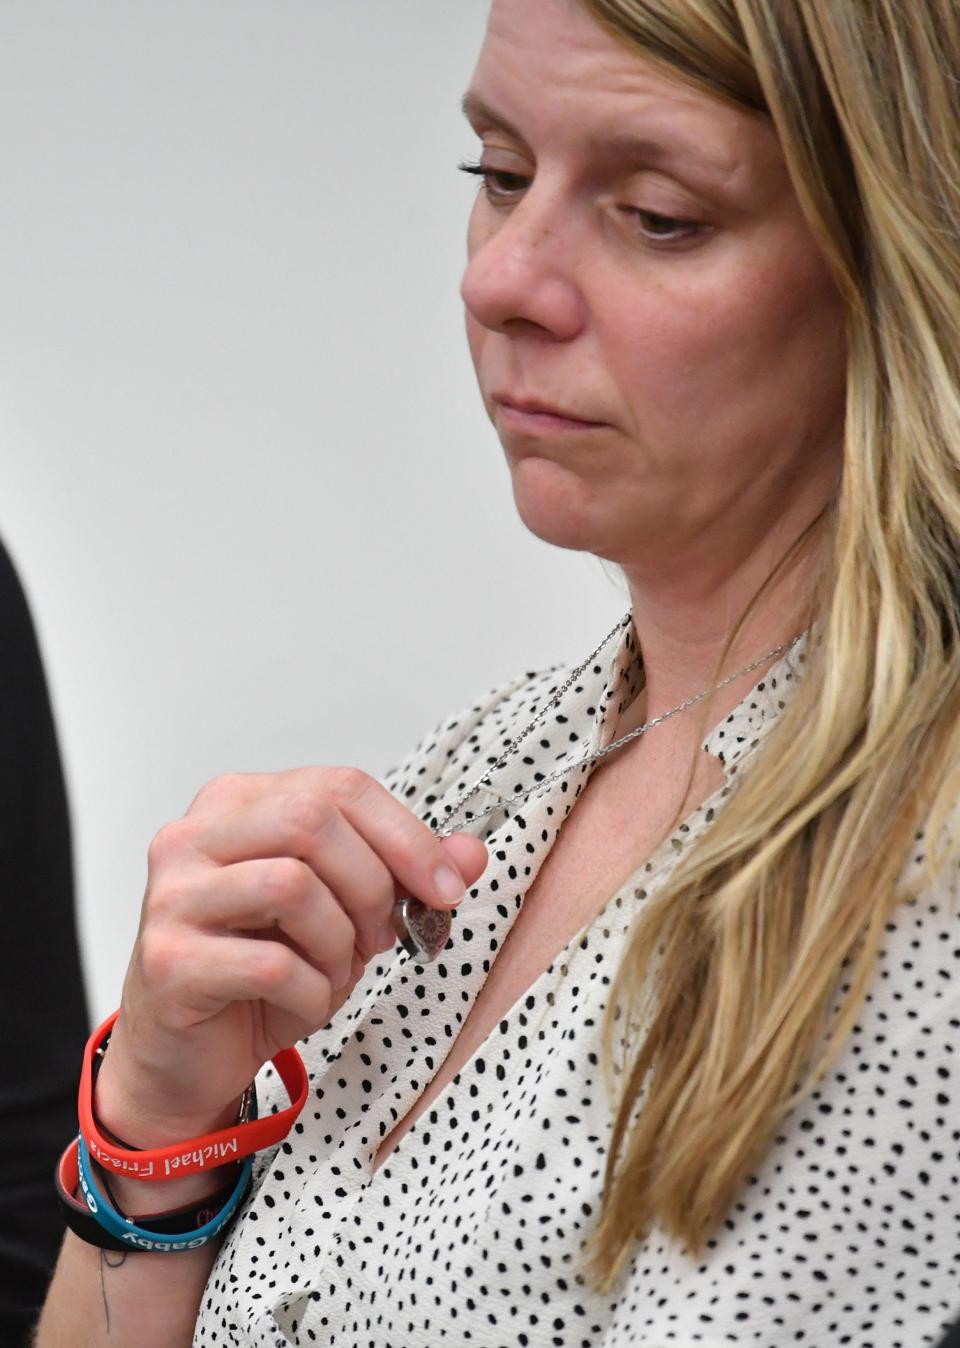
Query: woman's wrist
point(136, 1200)
point(121, 1110)
point(121, 1113)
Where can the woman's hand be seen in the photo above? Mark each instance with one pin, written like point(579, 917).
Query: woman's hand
point(263, 905)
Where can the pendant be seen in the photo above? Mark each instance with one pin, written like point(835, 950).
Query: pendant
point(423, 932)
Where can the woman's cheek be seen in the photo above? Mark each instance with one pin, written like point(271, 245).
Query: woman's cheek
point(672, 345)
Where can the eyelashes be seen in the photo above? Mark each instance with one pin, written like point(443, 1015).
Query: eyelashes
point(495, 182)
point(502, 188)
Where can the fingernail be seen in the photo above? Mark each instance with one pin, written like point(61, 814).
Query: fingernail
point(448, 885)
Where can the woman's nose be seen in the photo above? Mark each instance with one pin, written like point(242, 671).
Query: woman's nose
point(522, 272)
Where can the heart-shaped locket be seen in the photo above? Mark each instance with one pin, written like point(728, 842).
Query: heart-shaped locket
point(423, 932)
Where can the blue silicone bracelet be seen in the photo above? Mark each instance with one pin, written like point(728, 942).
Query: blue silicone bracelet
point(136, 1237)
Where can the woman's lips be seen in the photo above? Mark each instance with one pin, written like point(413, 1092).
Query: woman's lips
point(535, 417)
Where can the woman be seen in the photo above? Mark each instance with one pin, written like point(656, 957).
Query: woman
point(683, 1072)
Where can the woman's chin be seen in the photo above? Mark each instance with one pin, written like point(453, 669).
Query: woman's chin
point(556, 508)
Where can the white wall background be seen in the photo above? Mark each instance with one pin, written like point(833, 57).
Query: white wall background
point(244, 471)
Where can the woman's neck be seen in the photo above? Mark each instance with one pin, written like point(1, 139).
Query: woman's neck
point(683, 625)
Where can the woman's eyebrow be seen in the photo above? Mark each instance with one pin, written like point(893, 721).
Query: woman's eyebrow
point(622, 146)
point(479, 113)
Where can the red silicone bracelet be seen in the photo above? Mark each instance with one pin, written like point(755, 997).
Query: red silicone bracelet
point(197, 1154)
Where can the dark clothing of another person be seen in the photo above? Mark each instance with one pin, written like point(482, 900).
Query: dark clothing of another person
point(43, 1012)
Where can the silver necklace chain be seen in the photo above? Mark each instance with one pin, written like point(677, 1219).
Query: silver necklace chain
point(425, 932)
point(548, 781)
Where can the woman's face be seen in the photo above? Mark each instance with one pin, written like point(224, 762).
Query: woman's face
point(668, 294)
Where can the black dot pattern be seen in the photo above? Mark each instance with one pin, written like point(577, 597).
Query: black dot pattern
point(470, 1231)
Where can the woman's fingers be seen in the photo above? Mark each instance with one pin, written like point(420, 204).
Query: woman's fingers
point(278, 894)
point(468, 855)
point(315, 833)
point(204, 973)
point(364, 845)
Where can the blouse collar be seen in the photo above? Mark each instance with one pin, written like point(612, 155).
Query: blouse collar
point(730, 740)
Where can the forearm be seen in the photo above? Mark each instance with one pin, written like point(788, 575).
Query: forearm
point(133, 1298)
point(102, 1299)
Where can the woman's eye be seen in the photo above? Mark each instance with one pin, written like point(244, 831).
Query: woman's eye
point(498, 184)
point(502, 187)
point(663, 228)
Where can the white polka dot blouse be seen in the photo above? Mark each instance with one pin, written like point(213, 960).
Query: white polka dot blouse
point(469, 1232)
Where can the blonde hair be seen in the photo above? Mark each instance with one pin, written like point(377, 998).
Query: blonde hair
point(749, 971)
